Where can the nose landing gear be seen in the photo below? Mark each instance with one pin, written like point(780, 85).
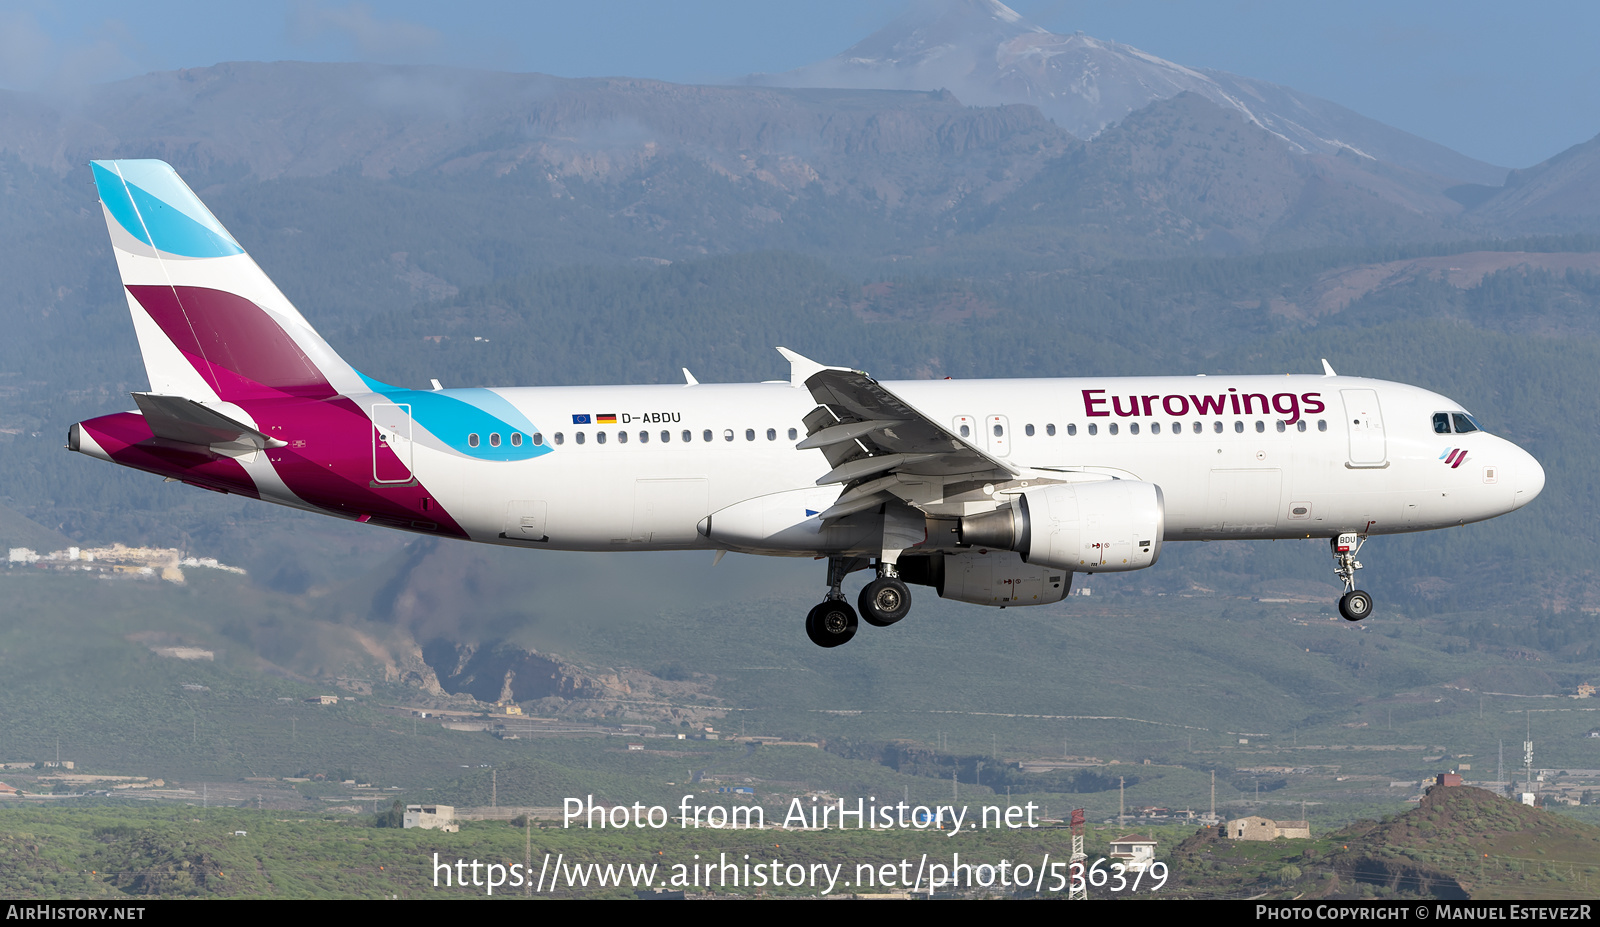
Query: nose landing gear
point(1355, 604)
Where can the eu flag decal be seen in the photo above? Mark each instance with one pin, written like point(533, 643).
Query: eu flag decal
point(580, 420)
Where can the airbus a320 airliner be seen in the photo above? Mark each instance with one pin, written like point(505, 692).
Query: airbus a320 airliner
point(994, 492)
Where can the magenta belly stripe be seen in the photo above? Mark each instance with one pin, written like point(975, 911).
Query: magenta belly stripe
point(127, 438)
point(328, 462)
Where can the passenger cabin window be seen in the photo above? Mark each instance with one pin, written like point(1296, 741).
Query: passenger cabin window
point(600, 437)
point(1133, 428)
point(666, 437)
point(1050, 430)
point(1028, 430)
point(1261, 426)
point(727, 434)
point(644, 437)
point(516, 439)
point(1216, 427)
point(793, 434)
point(1282, 426)
point(1300, 425)
point(578, 437)
point(749, 434)
point(1113, 427)
point(622, 437)
point(1238, 428)
point(1072, 430)
point(966, 432)
point(772, 434)
point(1093, 428)
point(687, 436)
point(1155, 428)
point(1465, 424)
point(494, 439)
point(706, 435)
point(538, 439)
point(472, 440)
point(1322, 424)
point(561, 438)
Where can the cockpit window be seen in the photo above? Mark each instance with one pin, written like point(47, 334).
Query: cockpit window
point(1441, 423)
point(1465, 424)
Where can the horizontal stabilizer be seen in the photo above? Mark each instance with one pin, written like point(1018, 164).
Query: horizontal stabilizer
point(188, 422)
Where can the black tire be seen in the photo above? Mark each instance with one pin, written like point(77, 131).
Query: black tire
point(831, 624)
point(884, 601)
point(1355, 606)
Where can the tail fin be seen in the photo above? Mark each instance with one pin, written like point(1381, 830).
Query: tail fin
point(211, 325)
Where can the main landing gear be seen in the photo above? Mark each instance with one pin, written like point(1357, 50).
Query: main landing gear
point(884, 601)
point(832, 623)
point(1355, 604)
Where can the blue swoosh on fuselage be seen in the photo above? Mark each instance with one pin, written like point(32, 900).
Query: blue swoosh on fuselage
point(452, 415)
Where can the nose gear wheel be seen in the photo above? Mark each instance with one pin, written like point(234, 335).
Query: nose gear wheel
point(1355, 604)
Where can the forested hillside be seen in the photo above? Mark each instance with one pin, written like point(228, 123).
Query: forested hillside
point(519, 229)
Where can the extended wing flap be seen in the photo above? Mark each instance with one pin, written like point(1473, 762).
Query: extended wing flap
point(188, 422)
point(888, 425)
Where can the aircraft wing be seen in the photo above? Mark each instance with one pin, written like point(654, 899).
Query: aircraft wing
point(870, 435)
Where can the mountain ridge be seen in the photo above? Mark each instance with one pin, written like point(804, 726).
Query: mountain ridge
point(988, 54)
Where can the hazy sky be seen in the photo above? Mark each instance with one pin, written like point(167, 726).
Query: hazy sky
point(1511, 84)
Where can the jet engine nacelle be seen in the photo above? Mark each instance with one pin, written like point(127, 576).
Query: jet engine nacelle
point(987, 577)
point(1108, 526)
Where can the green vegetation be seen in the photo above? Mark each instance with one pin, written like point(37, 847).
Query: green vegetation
point(720, 315)
point(1157, 683)
point(1457, 843)
point(190, 853)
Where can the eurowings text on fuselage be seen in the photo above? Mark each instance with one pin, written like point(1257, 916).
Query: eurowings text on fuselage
point(992, 491)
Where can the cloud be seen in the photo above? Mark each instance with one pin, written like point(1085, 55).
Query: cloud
point(390, 40)
point(31, 60)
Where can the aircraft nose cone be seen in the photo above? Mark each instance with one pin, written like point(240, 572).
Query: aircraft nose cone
point(1530, 480)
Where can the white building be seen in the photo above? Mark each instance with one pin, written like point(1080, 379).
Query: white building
point(1133, 852)
point(432, 817)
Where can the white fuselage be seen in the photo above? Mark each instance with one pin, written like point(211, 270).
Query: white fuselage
point(1327, 455)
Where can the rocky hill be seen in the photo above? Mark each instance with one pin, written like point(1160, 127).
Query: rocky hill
point(1458, 842)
